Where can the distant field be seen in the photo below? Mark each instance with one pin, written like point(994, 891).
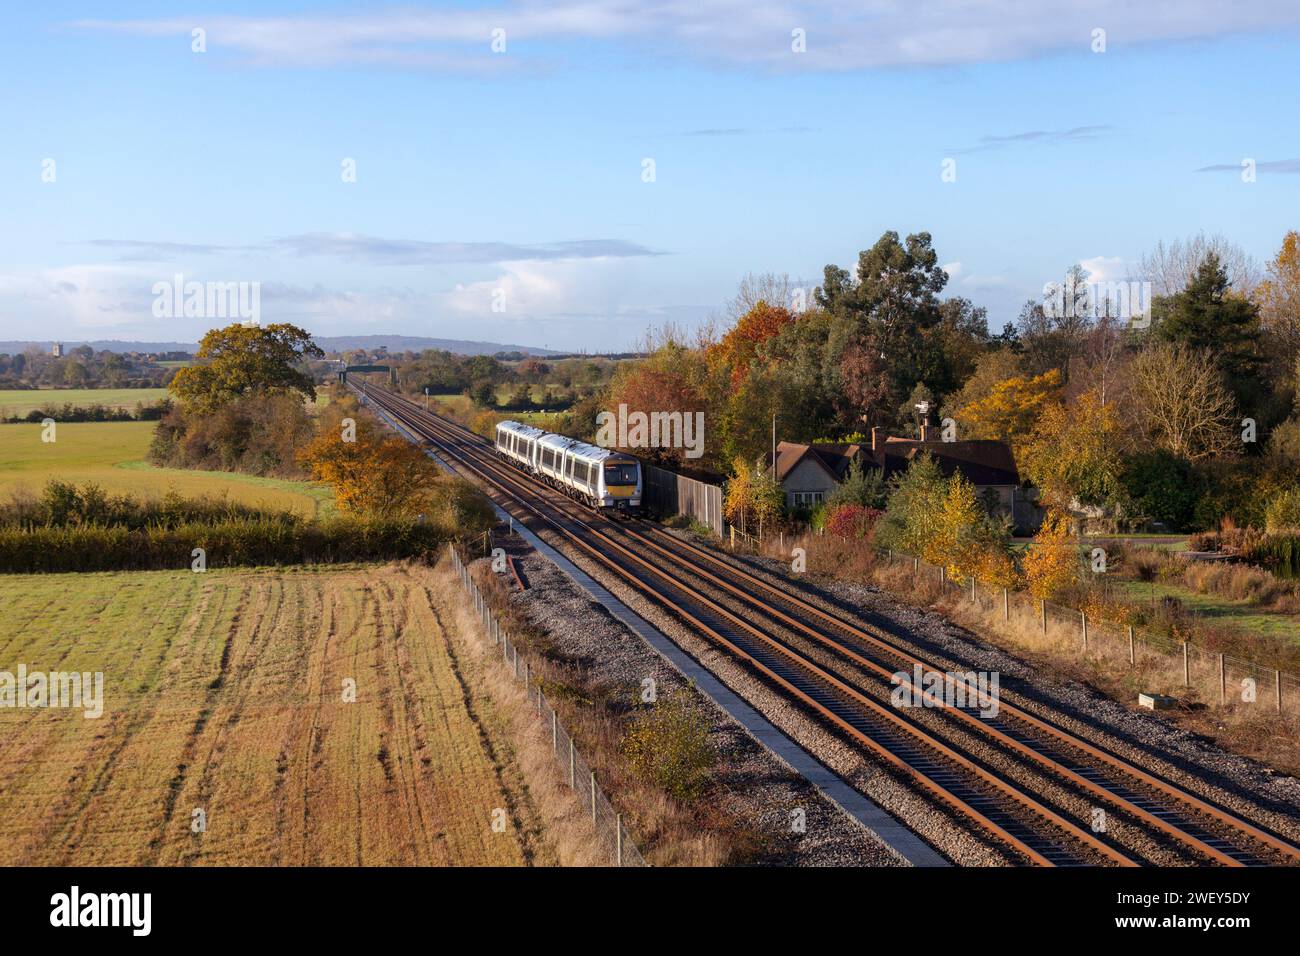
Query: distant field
point(112, 454)
point(223, 693)
point(15, 401)
point(1214, 609)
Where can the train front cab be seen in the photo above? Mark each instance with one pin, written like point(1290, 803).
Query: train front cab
point(621, 484)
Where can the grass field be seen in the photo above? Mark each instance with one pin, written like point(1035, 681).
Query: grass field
point(1214, 608)
point(17, 401)
point(112, 454)
point(224, 693)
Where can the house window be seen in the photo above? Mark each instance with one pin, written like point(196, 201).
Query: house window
point(805, 499)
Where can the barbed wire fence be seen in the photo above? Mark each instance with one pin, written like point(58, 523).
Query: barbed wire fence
point(605, 819)
point(1213, 675)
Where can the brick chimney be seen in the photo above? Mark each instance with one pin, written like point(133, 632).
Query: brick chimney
point(925, 431)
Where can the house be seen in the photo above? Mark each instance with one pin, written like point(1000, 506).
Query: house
point(809, 472)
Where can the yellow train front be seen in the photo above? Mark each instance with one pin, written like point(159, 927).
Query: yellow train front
point(620, 477)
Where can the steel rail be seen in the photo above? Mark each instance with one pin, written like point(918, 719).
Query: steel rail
point(1111, 761)
point(414, 415)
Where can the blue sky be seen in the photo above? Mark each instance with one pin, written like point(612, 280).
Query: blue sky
point(515, 178)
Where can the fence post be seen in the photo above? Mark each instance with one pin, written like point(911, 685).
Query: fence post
point(594, 821)
point(1277, 681)
point(974, 599)
point(618, 839)
point(942, 578)
point(555, 732)
point(1083, 622)
point(733, 536)
point(1044, 615)
point(573, 764)
point(1187, 666)
point(1132, 658)
point(1006, 606)
point(1223, 682)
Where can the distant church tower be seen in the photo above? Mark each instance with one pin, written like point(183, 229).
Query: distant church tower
point(57, 350)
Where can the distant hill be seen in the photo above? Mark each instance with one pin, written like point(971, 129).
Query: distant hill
point(417, 343)
point(330, 343)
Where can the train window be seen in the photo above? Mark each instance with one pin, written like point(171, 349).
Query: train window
point(620, 473)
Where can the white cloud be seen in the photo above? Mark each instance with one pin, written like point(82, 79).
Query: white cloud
point(1105, 268)
point(840, 35)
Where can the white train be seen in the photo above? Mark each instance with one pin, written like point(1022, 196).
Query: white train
point(597, 476)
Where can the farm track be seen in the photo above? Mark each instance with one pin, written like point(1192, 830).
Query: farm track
point(1022, 780)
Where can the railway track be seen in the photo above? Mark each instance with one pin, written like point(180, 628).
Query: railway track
point(765, 626)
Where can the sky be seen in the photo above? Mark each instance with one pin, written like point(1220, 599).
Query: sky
point(570, 174)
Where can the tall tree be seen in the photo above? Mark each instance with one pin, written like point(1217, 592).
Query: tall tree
point(1278, 297)
point(247, 359)
point(1206, 318)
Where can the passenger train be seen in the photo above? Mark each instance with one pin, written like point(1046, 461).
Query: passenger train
point(597, 476)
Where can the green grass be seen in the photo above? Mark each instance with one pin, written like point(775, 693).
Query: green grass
point(16, 401)
point(1212, 608)
point(112, 454)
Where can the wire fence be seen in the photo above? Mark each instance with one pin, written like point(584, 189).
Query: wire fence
point(1220, 676)
point(607, 822)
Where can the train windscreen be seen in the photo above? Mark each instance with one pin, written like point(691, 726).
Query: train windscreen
point(621, 473)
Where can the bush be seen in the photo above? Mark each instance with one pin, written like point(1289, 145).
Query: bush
point(1161, 487)
point(256, 434)
point(669, 745)
point(851, 521)
point(1282, 513)
point(228, 543)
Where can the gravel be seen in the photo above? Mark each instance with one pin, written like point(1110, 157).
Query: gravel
point(752, 784)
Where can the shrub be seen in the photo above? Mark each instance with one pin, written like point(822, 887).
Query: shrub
point(1282, 513)
point(851, 521)
point(669, 745)
point(1161, 488)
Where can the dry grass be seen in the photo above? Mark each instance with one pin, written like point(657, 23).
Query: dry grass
point(669, 832)
point(224, 692)
point(1251, 729)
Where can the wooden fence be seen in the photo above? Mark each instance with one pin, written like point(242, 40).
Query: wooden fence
point(668, 493)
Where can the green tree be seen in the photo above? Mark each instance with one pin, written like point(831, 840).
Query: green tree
point(1207, 317)
point(247, 359)
point(860, 486)
point(912, 513)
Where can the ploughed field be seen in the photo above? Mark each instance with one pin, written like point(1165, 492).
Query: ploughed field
point(224, 692)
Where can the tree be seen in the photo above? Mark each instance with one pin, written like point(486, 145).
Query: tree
point(1161, 487)
point(743, 343)
point(892, 304)
point(247, 359)
point(1180, 403)
point(1009, 409)
point(376, 476)
point(1171, 268)
point(1278, 297)
point(865, 487)
point(911, 515)
point(752, 494)
point(1205, 318)
point(1075, 453)
point(1052, 561)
